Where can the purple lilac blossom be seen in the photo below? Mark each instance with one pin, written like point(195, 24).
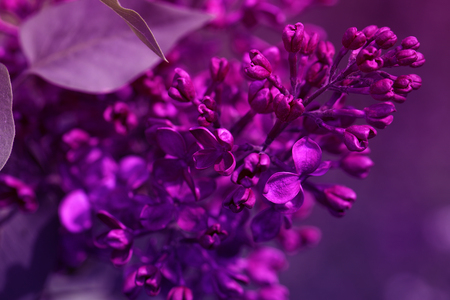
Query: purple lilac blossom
point(141, 163)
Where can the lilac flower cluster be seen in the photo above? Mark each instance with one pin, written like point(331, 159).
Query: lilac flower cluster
point(178, 178)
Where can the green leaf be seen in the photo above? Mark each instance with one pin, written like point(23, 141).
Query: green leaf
point(137, 24)
point(6, 117)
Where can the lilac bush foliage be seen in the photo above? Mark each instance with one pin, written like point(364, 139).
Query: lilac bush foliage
point(178, 177)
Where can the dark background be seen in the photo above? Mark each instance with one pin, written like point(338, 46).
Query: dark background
point(394, 244)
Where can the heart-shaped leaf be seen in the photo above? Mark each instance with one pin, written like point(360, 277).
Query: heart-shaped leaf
point(137, 24)
point(81, 45)
point(6, 118)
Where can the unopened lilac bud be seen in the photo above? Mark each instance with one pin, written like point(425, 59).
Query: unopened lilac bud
point(368, 59)
point(309, 43)
point(356, 137)
point(293, 37)
point(249, 172)
point(316, 74)
point(212, 237)
point(225, 138)
point(386, 39)
point(260, 67)
point(407, 83)
point(287, 108)
point(239, 199)
point(180, 293)
point(260, 97)
point(370, 31)
point(410, 42)
point(382, 90)
point(219, 68)
point(379, 115)
point(356, 164)
point(207, 110)
point(325, 52)
point(406, 57)
point(420, 61)
point(150, 278)
point(353, 39)
point(338, 199)
point(182, 88)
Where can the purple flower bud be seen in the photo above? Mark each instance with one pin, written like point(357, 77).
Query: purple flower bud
point(325, 52)
point(119, 238)
point(207, 110)
point(368, 59)
point(293, 37)
point(239, 199)
point(225, 138)
point(309, 43)
point(410, 42)
point(212, 237)
point(356, 137)
point(420, 61)
point(180, 293)
point(406, 57)
point(382, 90)
point(316, 74)
point(338, 199)
point(260, 67)
point(379, 115)
point(385, 39)
point(120, 114)
point(260, 97)
point(182, 88)
point(353, 39)
point(248, 173)
point(370, 31)
point(407, 83)
point(219, 68)
point(287, 108)
point(356, 164)
point(150, 278)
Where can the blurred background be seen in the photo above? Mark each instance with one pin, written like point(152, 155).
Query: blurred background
point(394, 244)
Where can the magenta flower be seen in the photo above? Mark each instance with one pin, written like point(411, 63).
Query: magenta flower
point(284, 186)
point(150, 278)
point(216, 150)
point(119, 238)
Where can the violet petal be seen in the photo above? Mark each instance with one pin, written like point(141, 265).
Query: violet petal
point(171, 142)
point(205, 137)
point(226, 165)
point(282, 187)
point(307, 156)
point(206, 158)
point(75, 212)
point(109, 220)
